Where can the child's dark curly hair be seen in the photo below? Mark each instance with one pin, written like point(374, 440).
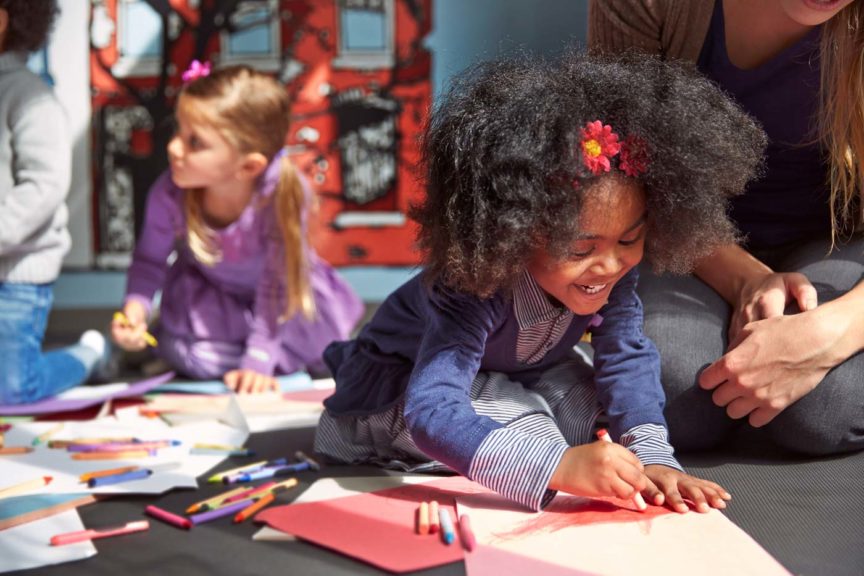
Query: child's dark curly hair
point(503, 154)
point(30, 21)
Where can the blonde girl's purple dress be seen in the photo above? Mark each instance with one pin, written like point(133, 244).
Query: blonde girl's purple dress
point(226, 316)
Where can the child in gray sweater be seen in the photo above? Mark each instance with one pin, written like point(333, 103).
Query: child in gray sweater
point(35, 167)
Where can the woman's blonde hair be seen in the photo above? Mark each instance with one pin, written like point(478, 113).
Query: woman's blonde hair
point(252, 112)
point(841, 118)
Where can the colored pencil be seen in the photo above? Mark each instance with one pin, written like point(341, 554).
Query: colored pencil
point(47, 434)
point(24, 487)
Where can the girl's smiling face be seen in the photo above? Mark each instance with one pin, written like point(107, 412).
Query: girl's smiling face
point(611, 243)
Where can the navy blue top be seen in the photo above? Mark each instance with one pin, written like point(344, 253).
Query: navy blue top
point(427, 345)
point(791, 202)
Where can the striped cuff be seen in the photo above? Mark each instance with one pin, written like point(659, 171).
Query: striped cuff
point(517, 465)
point(650, 443)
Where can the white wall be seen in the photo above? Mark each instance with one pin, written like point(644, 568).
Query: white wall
point(68, 57)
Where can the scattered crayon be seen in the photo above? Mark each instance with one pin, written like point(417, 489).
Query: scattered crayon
point(423, 518)
point(168, 517)
point(466, 533)
point(447, 532)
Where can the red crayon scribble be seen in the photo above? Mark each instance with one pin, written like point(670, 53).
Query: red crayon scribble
point(566, 512)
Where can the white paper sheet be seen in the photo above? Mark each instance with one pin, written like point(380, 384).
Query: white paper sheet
point(29, 545)
point(230, 429)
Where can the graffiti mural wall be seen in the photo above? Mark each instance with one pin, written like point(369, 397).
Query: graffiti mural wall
point(359, 77)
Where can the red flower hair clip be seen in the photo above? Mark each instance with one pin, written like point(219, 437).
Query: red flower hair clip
point(599, 146)
point(195, 71)
point(634, 156)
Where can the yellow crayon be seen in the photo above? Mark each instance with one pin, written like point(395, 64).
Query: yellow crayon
point(148, 337)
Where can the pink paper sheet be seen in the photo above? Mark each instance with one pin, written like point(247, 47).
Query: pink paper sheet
point(592, 536)
point(377, 527)
point(50, 405)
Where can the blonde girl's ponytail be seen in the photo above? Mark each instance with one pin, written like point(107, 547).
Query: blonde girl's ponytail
point(289, 203)
point(200, 237)
point(841, 117)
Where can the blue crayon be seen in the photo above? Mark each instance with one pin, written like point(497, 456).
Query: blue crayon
point(118, 478)
point(235, 478)
point(447, 532)
point(212, 452)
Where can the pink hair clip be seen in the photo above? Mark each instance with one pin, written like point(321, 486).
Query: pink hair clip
point(195, 71)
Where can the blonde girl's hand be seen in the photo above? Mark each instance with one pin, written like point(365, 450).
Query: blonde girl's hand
point(672, 487)
point(128, 328)
point(599, 469)
point(250, 382)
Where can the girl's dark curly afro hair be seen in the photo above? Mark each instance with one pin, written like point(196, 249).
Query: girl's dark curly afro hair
point(502, 154)
point(30, 21)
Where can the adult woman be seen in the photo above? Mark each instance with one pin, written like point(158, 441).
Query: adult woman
point(794, 317)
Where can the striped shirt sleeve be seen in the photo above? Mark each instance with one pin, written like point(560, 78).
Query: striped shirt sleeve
point(650, 443)
point(518, 465)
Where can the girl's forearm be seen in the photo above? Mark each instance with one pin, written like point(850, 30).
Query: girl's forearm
point(728, 269)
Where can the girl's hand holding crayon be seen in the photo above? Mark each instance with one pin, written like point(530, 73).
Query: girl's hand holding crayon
point(672, 487)
point(250, 382)
point(599, 469)
point(129, 327)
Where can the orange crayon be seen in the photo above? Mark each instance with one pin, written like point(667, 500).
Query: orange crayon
point(11, 450)
point(101, 473)
point(251, 510)
point(423, 518)
point(112, 455)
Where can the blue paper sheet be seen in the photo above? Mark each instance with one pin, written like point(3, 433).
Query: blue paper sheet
point(288, 383)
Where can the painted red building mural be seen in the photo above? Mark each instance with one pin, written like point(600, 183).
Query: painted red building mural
point(359, 77)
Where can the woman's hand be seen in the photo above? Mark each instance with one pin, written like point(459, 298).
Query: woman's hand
point(775, 361)
point(767, 296)
point(672, 487)
point(128, 328)
point(599, 469)
point(250, 382)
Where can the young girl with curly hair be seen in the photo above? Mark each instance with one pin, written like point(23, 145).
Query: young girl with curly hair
point(246, 296)
point(546, 183)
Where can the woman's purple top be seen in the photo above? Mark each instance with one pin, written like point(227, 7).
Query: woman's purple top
point(791, 201)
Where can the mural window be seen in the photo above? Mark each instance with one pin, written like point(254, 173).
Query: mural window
point(365, 34)
point(139, 39)
point(367, 145)
point(253, 37)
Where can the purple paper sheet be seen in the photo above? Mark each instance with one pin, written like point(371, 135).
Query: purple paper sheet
point(50, 405)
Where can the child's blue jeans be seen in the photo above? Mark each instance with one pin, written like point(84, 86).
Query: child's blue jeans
point(26, 373)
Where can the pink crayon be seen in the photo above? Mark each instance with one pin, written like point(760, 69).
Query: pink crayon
point(168, 517)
